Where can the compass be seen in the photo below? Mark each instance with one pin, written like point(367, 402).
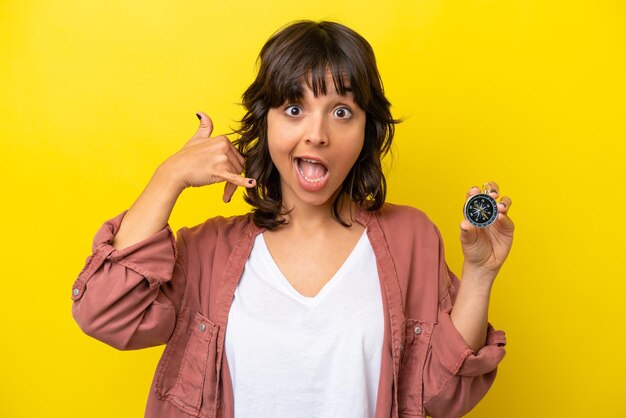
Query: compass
point(481, 210)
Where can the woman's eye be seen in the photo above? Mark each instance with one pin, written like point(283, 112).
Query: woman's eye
point(342, 113)
point(293, 110)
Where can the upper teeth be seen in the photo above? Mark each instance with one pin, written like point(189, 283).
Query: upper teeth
point(310, 161)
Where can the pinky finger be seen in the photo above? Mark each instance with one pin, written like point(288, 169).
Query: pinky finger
point(232, 182)
point(238, 180)
point(229, 190)
point(504, 204)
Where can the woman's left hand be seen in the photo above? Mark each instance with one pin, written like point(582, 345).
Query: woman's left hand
point(485, 249)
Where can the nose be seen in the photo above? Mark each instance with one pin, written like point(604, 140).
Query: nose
point(317, 131)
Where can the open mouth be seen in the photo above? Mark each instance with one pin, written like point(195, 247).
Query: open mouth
point(311, 170)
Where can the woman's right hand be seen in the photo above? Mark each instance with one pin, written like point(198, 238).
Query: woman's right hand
point(205, 160)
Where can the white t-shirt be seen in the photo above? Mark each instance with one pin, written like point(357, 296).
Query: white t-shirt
point(294, 356)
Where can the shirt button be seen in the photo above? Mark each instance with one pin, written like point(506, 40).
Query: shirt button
point(202, 327)
point(75, 292)
point(417, 330)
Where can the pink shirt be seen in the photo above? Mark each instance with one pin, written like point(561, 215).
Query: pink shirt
point(179, 292)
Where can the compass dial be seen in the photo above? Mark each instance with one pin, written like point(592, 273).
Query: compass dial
point(481, 210)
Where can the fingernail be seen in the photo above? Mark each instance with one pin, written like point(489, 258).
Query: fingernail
point(199, 117)
point(250, 181)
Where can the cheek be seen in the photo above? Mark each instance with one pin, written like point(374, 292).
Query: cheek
point(276, 143)
point(356, 151)
point(354, 146)
point(278, 148)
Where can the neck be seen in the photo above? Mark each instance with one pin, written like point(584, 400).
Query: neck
point(308, 217)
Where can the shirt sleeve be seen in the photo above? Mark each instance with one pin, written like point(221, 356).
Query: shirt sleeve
point(456, 378)
point(128, 298)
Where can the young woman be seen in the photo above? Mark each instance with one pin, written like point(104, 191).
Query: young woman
point(324, 301)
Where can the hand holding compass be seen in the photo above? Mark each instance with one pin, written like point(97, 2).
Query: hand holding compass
point(487, 232)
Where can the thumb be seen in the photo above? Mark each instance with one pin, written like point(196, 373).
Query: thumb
point(469, 233)
point(206, 125)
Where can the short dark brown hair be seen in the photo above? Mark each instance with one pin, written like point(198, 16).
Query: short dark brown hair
point(303, 52)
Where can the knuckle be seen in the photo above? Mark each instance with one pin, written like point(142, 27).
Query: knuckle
point(223, 145)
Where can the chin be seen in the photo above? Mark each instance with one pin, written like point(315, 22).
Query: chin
point(314, 199)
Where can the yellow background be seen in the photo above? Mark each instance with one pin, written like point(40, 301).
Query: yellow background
point(94, 95)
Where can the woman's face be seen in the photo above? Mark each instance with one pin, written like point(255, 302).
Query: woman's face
point(314, 143)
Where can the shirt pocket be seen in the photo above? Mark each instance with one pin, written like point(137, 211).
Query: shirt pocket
point(411, 374)
point(186, 375)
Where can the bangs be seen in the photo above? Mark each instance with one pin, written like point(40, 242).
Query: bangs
point(289, 87)
point(307, 61)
